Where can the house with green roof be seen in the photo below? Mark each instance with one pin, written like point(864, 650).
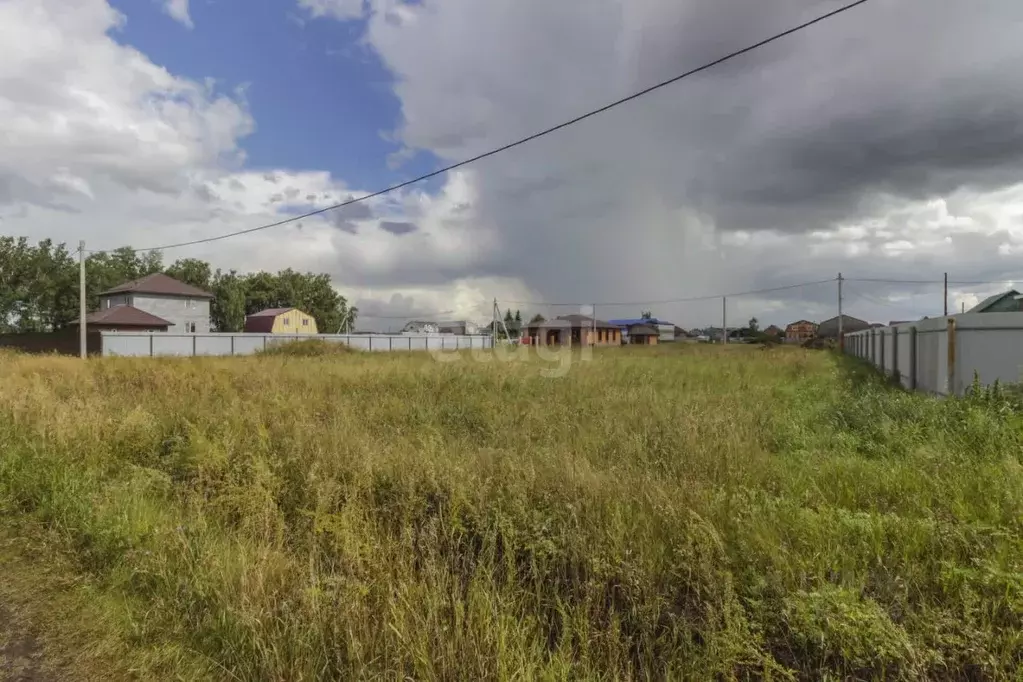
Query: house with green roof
point(1005, 302)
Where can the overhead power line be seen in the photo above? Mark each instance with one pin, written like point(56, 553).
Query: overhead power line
point(524, 140)
point(876, 280)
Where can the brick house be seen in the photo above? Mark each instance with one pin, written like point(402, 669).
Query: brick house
point(572, 330)
point(800, 331)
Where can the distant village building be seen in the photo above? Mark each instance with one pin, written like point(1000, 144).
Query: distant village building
point(828, 329)
point(420, 327)
point(572, 330)
point(281, 321)
point(643, 335)
point(800, 331)
point(460, 327)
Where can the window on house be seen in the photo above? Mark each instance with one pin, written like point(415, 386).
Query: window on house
point(305, 322)
point(287, 321)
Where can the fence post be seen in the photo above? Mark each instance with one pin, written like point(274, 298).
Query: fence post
point(193, 345)
point(912, 358)
point(881, 366)
point(950, 370)
point(895, 355)
point(232, 344)
point(150, 344)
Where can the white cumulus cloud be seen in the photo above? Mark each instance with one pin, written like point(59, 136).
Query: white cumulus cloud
point(178, 10)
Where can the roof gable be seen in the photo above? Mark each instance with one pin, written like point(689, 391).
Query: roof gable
point(125, 315)
point(271, 312)
point(158, 284)
point(991, 301)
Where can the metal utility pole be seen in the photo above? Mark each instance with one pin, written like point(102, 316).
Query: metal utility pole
point(946, 294)
point(724, 319)
point(841, 341)
point(82, 327)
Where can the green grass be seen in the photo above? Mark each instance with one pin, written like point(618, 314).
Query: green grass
point(690, 512)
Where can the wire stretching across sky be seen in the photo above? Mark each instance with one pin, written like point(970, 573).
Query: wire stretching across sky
point(521, 141)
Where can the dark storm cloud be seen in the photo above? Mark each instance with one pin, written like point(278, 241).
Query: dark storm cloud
point(345, 218)
point(397, 227)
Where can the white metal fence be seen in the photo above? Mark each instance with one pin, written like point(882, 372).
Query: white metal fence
point(943, 354)
point(164, 344)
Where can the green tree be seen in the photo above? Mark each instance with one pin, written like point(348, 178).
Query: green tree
point(647, 315)
point(192, 271)
point(227, 311)
point(39, 287)
point(754, 325)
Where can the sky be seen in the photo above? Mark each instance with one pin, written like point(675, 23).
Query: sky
point(883, 144)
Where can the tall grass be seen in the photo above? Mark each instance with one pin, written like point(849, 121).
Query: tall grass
point(693, 513)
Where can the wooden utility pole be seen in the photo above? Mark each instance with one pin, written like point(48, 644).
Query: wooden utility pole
point(946, 294)
point(841, 341)
point(82, 326)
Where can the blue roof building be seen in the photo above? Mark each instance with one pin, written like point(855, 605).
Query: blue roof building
point(639, 320)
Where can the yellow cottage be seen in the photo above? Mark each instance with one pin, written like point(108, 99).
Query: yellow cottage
point(280, 321)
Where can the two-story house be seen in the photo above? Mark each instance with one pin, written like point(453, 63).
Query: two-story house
point(800, 331)
point(159, 300)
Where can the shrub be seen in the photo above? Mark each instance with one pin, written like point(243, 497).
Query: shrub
point(306, 348)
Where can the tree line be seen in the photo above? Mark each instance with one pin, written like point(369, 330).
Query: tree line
point(39, 287)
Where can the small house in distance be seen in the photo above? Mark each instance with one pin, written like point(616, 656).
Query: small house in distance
point(280, 321)
point(459, 327)
point(643, 335)
point(774, 330)
point(800, 331)
point(572, 330)
point(420, 327)
point(828, 329)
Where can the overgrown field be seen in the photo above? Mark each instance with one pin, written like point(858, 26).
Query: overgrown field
point(658, 513)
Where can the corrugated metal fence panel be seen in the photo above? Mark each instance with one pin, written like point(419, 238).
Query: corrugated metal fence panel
point(988, 344)
point(170, 344)
point(173, 344)
point(905, 355)
point(125, 344)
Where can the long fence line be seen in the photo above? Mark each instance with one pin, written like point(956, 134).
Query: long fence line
point(144, 344)
point(943, 355)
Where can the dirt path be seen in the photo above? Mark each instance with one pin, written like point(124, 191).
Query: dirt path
point(21, 653)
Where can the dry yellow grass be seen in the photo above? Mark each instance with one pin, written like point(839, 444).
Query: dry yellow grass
point(682, 513)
